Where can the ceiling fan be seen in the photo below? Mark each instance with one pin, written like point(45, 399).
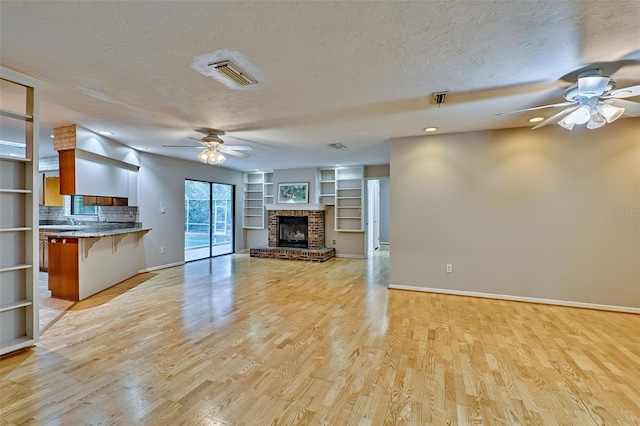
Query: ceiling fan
point(214, 147)
point(593, 100)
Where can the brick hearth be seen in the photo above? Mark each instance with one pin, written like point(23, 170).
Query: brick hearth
point(317, 252)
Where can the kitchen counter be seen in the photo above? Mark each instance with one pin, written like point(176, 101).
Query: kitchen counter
point(92, 233)
point(87, 259)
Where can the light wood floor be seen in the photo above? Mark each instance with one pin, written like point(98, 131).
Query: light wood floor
point(244, 341)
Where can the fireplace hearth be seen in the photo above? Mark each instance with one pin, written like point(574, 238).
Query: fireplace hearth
point(295, 233)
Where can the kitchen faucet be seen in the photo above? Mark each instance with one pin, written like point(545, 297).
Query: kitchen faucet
point(71, 220)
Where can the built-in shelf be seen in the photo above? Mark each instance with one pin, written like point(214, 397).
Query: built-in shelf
point(14, 305)
point(17, 229)
point(19, 212)
point(343, 187)
point(16, 159)
point(16, 191)
point(15, 115)
point(15, 267)
point(258, 189)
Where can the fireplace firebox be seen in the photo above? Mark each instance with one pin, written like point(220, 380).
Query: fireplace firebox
point(293, 231)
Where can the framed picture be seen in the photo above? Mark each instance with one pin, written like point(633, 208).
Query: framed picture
point(293, 192)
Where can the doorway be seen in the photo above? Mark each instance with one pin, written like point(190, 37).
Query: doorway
point(208, 219)
point(373, 213)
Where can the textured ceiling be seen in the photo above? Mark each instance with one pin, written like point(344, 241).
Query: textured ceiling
point(357, 73)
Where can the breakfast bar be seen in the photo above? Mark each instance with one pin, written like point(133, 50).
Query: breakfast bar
point(85, 262)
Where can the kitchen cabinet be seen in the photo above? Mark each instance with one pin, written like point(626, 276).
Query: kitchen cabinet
point(51, 191)
point(104, 201)
point(92, 165)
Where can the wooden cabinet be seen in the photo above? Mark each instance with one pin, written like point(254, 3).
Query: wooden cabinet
point(52, 196)
point(18, 212)
point(104, 201)
point(63, 267)
point(44, 252)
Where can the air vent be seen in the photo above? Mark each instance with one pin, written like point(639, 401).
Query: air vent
point(232, 71)
point(337, 146)
point(438, 98)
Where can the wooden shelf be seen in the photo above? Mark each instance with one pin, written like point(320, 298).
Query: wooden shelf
point(15, 344)
point(16, 191)
point(14, 305)
point(19, 327)
point(16, 159)
point(15, 267)
point(16, 115)
point(17, 229)
point(341, 184)
point(258, 187)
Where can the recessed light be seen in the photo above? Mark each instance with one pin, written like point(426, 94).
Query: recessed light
point(537, 119)
point(430, 129)
point(105, 133)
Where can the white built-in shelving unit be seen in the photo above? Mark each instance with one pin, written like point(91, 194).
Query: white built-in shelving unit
point(327, 186)
point(18, 211)
point(343, 188)
point(258, 191)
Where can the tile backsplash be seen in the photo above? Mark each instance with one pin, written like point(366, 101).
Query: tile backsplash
point(105, 214)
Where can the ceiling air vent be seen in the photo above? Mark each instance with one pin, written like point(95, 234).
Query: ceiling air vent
point(233, 72)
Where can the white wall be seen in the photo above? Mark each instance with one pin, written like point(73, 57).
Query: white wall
point(548, 214)
point(161, 182)
point(385, 210)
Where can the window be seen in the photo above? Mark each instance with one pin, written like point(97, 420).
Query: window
point(78, 208)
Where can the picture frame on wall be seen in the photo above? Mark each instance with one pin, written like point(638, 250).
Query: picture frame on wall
point(296, 192)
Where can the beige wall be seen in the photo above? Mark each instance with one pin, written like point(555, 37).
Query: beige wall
point(161, 181)
point(548, 214)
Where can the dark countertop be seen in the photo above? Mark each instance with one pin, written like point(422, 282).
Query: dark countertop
point(95, 233)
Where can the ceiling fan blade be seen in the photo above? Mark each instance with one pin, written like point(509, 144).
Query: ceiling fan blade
point(184, 146)
point(592, 86)
point(561, 104)
point(195, 139)
point(632, 109)
point(625, 92)
point(239, 147)
point(229, 151)
point(554, 119)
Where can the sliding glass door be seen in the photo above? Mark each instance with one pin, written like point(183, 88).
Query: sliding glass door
point(208, 219)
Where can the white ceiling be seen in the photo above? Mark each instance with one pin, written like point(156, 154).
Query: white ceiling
point(358, 73)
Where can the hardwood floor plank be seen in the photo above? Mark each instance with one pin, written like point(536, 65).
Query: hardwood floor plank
point(243, 341)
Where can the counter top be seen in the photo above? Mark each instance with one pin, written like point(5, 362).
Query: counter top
point(95, 233)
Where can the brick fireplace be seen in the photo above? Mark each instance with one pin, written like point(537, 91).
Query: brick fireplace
point(315, 250)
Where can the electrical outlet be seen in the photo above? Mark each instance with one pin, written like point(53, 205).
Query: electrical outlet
point(449, 268)
point(161, 250)
point(334, 242)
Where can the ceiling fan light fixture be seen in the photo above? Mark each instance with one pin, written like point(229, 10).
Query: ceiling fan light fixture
point(211, 156)
point(596, 120)
point(566, 124)
point(580, 116)
point(610, 112)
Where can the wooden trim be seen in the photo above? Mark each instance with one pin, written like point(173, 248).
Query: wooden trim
point(67, 164)
point(570, 304)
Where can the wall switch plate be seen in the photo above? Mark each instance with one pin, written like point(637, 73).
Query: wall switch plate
point(449, 268)
point(161, 208)
point(161, 250)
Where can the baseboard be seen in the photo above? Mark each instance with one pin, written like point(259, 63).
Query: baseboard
point(571, 304)
point(155, 268)
point(351, 256)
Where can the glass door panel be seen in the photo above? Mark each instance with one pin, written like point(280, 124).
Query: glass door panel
point(208, 220)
